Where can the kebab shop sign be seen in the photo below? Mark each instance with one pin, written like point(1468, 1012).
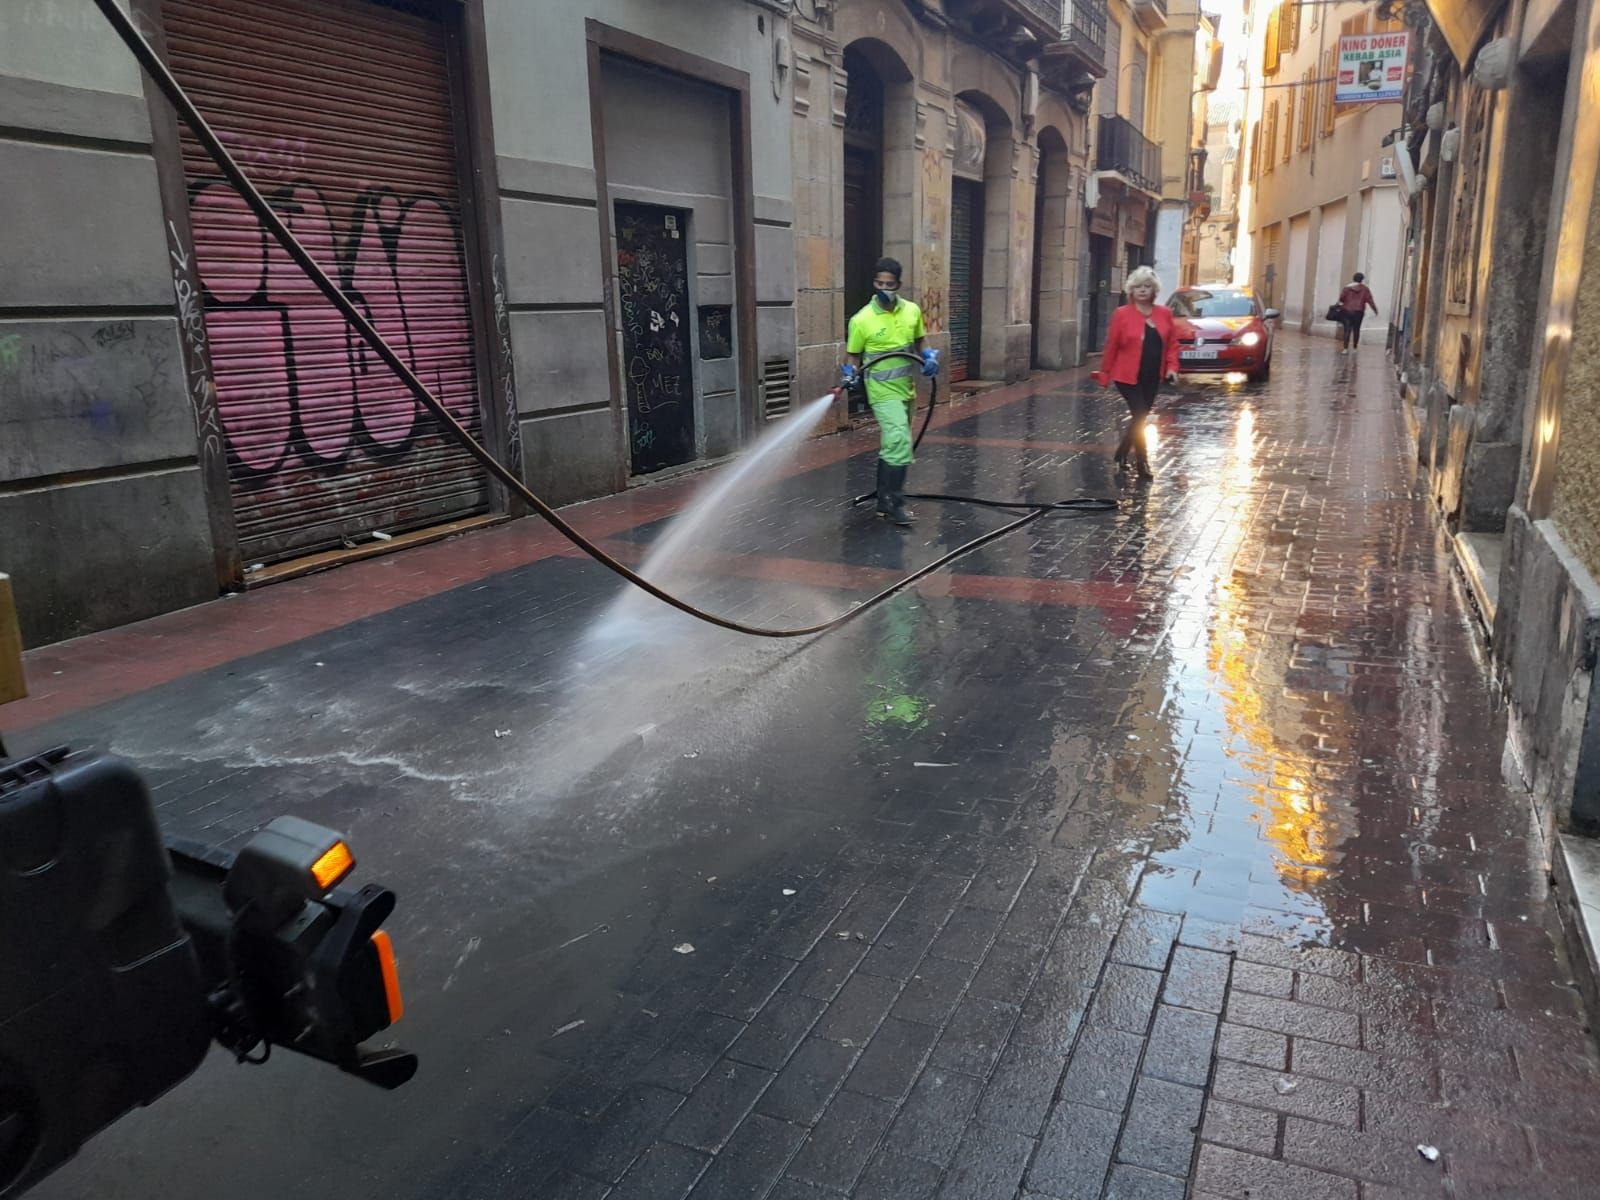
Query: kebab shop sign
point(1372, 67)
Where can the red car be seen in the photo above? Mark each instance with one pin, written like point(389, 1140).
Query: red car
point(1223, 330)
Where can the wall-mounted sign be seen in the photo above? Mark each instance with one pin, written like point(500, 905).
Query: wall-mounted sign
point(1371, 68)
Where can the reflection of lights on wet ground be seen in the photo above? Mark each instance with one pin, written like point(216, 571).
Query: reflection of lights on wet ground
point(1244, 449)
point(1152, 437)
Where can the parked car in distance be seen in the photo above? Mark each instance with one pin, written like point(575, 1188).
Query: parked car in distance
point(1223, 329)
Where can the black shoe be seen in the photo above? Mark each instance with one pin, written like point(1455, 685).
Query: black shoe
point(882, 491)
point(896, 480)
point(1144, 468)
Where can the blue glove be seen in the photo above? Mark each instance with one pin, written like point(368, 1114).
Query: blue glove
point(849, 375)
point(930, 363)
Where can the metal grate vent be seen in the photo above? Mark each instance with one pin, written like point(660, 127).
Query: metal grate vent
point(776, 386)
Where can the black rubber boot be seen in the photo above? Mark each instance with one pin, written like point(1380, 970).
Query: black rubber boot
point(883, 488)
point(895, 480)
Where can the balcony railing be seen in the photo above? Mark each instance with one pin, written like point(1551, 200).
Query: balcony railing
point(1123, 149)
point(1151, 15)
point(1084, 33)
point(1000, 17)
point(1048, 11)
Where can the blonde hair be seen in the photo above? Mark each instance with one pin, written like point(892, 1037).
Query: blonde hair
point(1140, 276)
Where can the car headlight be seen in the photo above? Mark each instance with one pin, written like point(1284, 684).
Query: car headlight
point(1249, 338)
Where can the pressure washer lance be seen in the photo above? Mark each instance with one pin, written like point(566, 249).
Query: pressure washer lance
point(1078, 504)
point(264, 212)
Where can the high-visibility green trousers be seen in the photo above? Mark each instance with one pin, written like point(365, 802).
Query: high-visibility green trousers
point(893, 414)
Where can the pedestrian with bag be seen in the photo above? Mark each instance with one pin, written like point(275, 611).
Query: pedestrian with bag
point(1354, 300)
point(1141, 351)
point(888, 323)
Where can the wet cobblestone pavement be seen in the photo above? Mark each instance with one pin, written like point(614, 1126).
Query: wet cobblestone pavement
point(1154, 855)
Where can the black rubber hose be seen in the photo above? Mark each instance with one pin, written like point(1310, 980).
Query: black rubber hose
point(1084, 504)
point(179, 99)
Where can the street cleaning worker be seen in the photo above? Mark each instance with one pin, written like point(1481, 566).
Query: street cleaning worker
point(889, 323)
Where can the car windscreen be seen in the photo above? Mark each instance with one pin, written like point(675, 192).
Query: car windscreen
point(1192, 304)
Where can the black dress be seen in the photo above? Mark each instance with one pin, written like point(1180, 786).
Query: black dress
point(1141, 396)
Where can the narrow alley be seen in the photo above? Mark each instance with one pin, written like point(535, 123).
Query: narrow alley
point(1137, 853)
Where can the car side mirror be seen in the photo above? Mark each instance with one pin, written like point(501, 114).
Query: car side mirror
point(1271, 314)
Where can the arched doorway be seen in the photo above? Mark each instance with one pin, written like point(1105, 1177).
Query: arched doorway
point(879, 161)
point(1053, 314)
point(863, 176)
point(980, 232)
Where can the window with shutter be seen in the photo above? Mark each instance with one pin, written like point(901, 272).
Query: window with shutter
point(1288, 123)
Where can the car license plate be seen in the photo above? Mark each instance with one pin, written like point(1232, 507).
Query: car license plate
point(1200, 355)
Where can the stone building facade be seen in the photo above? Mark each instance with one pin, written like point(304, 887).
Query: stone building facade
point(1500, 355)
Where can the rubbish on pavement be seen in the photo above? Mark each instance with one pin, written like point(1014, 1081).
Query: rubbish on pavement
point(568, 1028)
point(1431, 1153)
point(683, 948)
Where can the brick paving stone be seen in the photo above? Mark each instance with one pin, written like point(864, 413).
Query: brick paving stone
point(1180, 1046)
point(1125, 998)
point(663, 1173)
point(893, 1176)
point(1000, 883)
point(931, 1123)
point(714, 1110)
point(1367, 1156)
point(1302, 1095)
point(1161, 1127)
point(1251, 1129)
point(567, 1186)
point(967, 935)
point(777, 1031)
point(1294, 1018)
point(823, 973)
point(1240, 1176)
point(1403, 1077)
point(899, 948)
point(803, 1088)
point(1020, 1090)
point(1265, 980)
point(752, 1160)
point(975, 1036)
point(633, 1124)
point(843, 1142)
point(1101, 1070)
point(1197, 979)
point(893, 1059)
point(1007, 972)
point(1133, 1183)
point(870, 910)
point(1075, 1152)
point(989, 1163)
point(1258, 1047)
point(931, 995)
point(1146, 938)
point(748, 986)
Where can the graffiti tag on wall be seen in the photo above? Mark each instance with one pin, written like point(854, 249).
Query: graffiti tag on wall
point(299, 387)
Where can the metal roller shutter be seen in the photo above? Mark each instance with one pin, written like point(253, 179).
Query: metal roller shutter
point(339, 110)
point(963, 298)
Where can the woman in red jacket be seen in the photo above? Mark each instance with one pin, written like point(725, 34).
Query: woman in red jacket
point(1141, 350)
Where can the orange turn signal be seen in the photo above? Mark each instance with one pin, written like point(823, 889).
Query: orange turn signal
point(391, 974)
point(336, 862)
